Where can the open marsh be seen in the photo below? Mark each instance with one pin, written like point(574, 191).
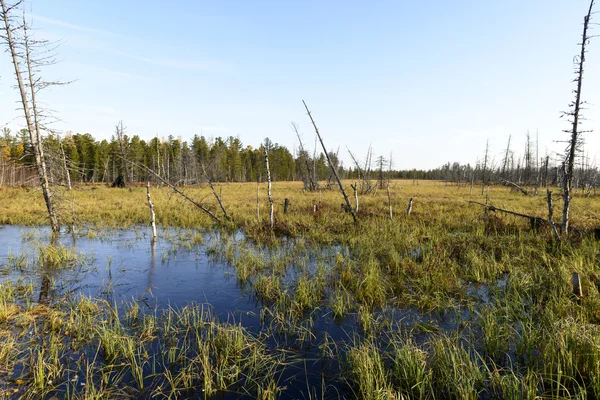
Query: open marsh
point(448, 303)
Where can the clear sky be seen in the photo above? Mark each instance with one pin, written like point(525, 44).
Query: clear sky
point(428, 81)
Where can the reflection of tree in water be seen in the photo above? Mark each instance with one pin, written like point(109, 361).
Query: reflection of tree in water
point(45, 293)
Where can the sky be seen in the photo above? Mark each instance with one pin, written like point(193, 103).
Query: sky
point(425, 82)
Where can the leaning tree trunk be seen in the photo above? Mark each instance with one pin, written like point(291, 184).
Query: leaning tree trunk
point(570, 161)
point(335, 174)
point(32, 126)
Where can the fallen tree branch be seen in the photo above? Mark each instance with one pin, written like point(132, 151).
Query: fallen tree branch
point(182, 194)
point(214, 192)
point(535, 221)
point(520, 188)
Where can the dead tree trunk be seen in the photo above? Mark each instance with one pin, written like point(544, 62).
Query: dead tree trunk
point(505, 160)
point(485, 161)
point(182, 194)
point(120, 133)
point(152, 215)
point(570, 159)
point(286, 205)
point(31, 120)
point(66, 168)
point(551, 213)
point(337, 178)
point(308, 179)
point(271, 222)
point(355, 196)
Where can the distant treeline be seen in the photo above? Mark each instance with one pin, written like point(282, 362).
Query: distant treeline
point(88, 160)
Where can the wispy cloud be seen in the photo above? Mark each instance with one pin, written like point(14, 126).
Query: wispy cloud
point(71, 26)
point(99, 68)
point(124, 74)
point(206, 65)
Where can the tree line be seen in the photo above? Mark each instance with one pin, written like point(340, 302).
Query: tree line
point(88, 160)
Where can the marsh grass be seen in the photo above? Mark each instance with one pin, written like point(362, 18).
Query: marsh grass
point(120, 347)
point(369, 375)
point(57, 256)
point(492, 300)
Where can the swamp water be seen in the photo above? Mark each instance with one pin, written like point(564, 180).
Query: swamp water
point(305, 345)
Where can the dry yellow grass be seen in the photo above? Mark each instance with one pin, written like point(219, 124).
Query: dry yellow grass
point(434, 202)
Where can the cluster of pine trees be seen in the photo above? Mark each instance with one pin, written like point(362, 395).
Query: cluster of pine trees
point(88, 160)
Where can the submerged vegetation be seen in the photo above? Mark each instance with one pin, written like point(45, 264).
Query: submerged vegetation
point(452, 301)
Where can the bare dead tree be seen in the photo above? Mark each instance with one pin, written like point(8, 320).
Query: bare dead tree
point(365, 184)
point(180, 192)
point(309, 183)
point(506, 158)
point(485, 162)
point(152, 215)
point(381, 161)
point(551, 213)
point(271, 222)
point(22, 60)
point(574, 131)
point(346, 199)
point(120, 134)
point(518, 187)
point(66, 168)
point(528, 159)
point(355, 196)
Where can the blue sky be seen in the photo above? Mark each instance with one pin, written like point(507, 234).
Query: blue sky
point(429, 82)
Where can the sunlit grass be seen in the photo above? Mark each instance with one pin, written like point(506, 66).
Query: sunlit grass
point(441, 304)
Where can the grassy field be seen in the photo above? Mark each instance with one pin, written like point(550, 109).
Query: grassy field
point(434, 202)
point(493, 313)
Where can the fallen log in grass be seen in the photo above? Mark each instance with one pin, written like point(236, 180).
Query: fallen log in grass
point(535, 222)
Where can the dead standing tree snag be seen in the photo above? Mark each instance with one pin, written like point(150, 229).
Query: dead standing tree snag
point(271, 222)
point(152, 215)
point(307, 176)
point(22, 60)
point(574, 131)
point(335, 174)
point(123, 177)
